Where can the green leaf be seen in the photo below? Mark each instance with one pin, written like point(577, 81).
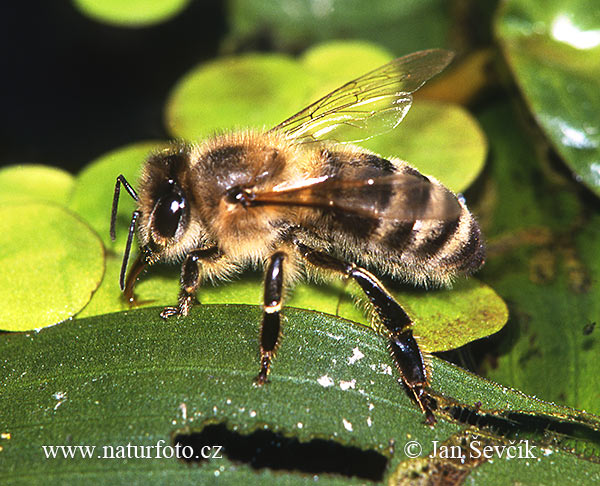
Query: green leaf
point(544, 245)
point(251, 91)
point(132, 378)
point(51, 261)
point(337, 62)
point(553, 49)
point(450, 318)
point(30, 182)
point(132, 13)
point(402, 27)
point(94, 187)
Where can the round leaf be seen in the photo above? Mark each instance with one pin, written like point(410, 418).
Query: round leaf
point(450, 318)
point(31, 182)
point(131, 13)
point(553, 49)
point(252, 91)
point(51, 261)
point(336, 63)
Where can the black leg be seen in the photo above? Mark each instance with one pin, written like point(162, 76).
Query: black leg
point(113, 214)
point(113, 222)
point(402, 344)
point(190, 280)
point(271, 323)
point(134, 218)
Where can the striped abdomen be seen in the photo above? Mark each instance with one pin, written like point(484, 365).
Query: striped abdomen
point(415, 228)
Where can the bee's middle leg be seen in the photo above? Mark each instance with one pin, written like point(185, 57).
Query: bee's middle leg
point(190, 280)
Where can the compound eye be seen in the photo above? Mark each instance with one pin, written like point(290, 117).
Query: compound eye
point(168, 213)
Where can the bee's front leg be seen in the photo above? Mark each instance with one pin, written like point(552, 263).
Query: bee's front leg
point(271, 322)
point(190, 280)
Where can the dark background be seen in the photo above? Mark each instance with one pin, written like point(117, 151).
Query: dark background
point(73, 89)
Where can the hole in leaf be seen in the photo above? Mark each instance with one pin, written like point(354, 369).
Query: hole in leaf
point(266, 449)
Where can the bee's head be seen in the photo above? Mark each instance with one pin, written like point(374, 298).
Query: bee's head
point(164, 210)
point(165, 205)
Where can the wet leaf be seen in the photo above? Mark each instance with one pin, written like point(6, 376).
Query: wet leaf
point(132, 378)
point(402, 27)
point(133, 13)
point(553, 49)
point(51, 261)
point(31, 182)
point(544, 246)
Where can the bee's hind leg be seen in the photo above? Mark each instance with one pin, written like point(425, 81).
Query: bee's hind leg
point(190, 280)
point(402, 344)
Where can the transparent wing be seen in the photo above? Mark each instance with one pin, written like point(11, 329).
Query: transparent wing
point(397, 197)
point(370, 105)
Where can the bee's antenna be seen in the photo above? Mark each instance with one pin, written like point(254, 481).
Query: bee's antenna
point(134, 218)
point(113, 215)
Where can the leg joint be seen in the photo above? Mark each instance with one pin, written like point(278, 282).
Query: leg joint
point(323, 260)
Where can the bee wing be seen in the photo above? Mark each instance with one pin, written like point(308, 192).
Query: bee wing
point(397, 197)
point(370, 105)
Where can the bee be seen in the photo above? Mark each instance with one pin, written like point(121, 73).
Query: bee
point(300, 200)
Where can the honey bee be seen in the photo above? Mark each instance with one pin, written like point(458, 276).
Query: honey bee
point(300, 201)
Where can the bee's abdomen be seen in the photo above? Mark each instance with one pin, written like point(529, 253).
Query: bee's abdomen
point(418, 229)
point(464, 252)
point(434, 250)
